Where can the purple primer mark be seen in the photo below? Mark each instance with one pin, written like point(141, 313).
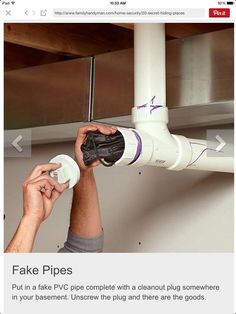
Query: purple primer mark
point(152, 100)
point(142, 106)
point(154, 107)
point(150, 104)
point(139, 148)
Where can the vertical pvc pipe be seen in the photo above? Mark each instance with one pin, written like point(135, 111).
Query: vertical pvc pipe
point(150, 114)
point(149, 62)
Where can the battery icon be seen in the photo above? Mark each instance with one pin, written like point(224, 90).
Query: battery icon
point(230, 2)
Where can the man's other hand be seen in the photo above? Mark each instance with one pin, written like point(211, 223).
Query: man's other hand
point(40, 191)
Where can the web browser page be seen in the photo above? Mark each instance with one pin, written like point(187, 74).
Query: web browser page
point(117, 174)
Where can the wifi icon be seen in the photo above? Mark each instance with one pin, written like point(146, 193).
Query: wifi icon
point(13, 2)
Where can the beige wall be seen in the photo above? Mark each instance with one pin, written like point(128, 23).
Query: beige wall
point(144, 209)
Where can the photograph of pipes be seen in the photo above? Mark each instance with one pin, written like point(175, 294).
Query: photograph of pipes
point(165, 87)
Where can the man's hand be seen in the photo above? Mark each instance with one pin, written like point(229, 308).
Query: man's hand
point(85, 218)
point(82, 133)
point(40, 191)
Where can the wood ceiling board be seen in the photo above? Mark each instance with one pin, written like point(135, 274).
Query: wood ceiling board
point(76, 39)
point(18, 57)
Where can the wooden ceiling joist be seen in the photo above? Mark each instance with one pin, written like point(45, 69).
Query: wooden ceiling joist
point(77, 39)
point(30, 44)
point(18, 57)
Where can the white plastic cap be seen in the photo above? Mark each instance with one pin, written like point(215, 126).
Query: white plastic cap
point(69, 170)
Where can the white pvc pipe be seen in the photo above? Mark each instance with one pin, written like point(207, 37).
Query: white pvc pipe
point(143, 149)
point(150, 114)
point(149, 63)
point(204, 157)
point(151, 143)
point(150, 81)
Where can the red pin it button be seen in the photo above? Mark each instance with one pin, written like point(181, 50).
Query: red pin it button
point(218, 12)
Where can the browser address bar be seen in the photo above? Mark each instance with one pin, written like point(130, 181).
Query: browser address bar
point(160, 13)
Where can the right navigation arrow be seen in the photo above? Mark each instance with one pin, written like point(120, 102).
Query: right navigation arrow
point(221, 145)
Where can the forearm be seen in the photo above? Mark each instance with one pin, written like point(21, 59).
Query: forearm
point(23, 240)
point(85, 217)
